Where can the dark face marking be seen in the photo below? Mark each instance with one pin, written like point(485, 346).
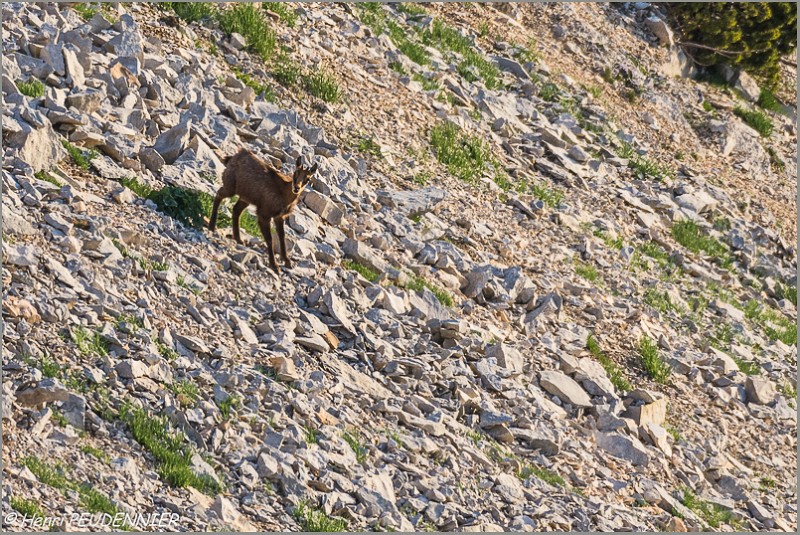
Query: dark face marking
point(301, 176)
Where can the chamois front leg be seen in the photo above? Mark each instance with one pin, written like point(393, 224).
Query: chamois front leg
point(266, 231)
point(212, 222)
point(238, 208)
point(282, 236)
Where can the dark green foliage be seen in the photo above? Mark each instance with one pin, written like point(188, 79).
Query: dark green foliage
point(185, 205)
point(749, 35)
point(757, 120)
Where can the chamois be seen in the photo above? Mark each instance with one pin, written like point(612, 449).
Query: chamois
point(274, 194)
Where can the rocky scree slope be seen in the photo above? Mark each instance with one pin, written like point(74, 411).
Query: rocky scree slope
point(567, 325)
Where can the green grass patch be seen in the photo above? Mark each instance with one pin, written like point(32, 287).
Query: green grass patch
point(657, 253)
point(587, 271)
point(310, 435)
point(614, 243)
point(688, 233)
point(89, 342)
point(228, 405)
point(411, 8)
point(614, 372)
point(643, 165)
point(775, 161)
point(711, 513)
point(446, 38)
point(368, 273)
point(756, 120)
point(427, 83)
point(417, 283)
point(55, 475)
point(28, 508)
point(652, 363)
point(397, 67)
point(168, 447)
point(284, 12)
point(768, 101)
point(48, 177)
point(466, 157)
point(413, 50)
point(784, 291)
point(549, 196)
point(97, 453)
point(548, 476)
point(32, 88)
point(775, 325)
point(286, 71)
point(367, 145)
point(549, 92)
point(322, 84)
point(315, 520)
point(475, 67)
point(186, 392)
point(165, 351)
point(356, 443)
point(261, 88)
point(527, 53)
point(674, 432)
point(81, 158)
point(661, 301)
point(249, 21)
point(191, 11)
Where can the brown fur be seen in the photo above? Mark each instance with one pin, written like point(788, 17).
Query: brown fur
point(273, 193)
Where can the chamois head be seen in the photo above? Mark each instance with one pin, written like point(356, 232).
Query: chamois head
point(301, 176)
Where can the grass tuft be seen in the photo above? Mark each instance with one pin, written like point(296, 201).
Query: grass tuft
point(312, 519)
point(587, 271)
point(250, 22)
point(191, 11)
point(756, 120)
point(417, 283)
point(322, 84)
point(688, 233)
point(356, 443)
point(32, 88)
point(711, 513)
point(614, 372)
point(167, 447)
point(27, 507)
point(368, 273)
point(55, 475)
point(652, 363)
point(80, 157)
point(89, 343)
point(284, 12)
point(466, 157)
point(643, 165)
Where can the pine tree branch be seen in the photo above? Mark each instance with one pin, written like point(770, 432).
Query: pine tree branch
point(721, 52)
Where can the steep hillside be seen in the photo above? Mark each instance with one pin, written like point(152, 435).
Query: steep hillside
point(540, 282)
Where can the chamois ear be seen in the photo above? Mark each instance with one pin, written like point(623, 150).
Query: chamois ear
point(299, 162)
point(313, 169)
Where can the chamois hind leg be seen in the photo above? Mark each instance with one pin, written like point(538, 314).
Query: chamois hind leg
point(266, 231)
point(238, 208)
point(282, 236)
